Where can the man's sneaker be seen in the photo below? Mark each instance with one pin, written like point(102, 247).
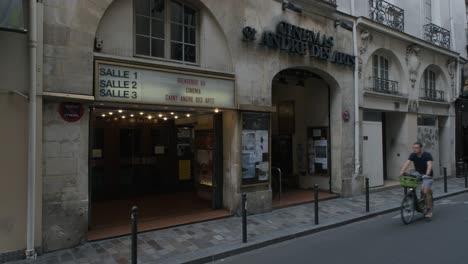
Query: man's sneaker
point(428, 215)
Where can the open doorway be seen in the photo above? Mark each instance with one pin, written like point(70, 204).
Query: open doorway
point(300, 137)
point(163, 162)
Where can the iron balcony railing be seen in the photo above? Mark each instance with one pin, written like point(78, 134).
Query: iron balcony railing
point(437, 35)
point(383, 86)
point(433, 95)
point(387, 14)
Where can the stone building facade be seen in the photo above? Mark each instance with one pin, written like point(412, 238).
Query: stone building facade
point(329, 78)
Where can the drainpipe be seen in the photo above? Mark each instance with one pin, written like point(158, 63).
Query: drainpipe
point(452, 33)
point(357, 131)
point(31, 213)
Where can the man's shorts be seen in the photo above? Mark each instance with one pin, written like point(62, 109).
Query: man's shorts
point(426, 182)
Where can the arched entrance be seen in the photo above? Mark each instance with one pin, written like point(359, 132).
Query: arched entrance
point(301, 135)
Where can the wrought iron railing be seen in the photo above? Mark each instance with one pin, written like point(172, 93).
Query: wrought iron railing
point(383, 86)
point(432, 95)
point(437, 35)
point(387, 14)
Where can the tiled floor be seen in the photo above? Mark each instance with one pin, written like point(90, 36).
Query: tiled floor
point(195, 241)
point(112, 218)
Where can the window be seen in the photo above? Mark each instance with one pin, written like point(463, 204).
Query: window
point(428, 11)
point(380, 72)
point(166, 29)
point(429, 80)
point(380, 67)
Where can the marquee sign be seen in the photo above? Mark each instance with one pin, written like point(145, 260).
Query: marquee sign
point(134, 84)
point(297, 40)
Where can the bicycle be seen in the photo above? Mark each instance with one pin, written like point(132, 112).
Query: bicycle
point(411, 203)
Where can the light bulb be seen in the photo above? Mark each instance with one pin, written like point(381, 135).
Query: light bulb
point(123, 117)
point(120, 111)
point(149, 117)
point(172, 113)
point(110, 113)
point(165, 118)
point(188, 115)
point(176, 117)
point(160, 115)
point(216, 110)
point(131, 115)
point(103, 115)
point(141, 113)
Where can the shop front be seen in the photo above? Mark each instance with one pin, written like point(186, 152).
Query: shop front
point(155, 142)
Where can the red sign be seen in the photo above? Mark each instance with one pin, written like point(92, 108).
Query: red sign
point(71, 112)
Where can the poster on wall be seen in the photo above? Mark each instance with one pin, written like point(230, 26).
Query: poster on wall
point(204, 166)
point(204, 157)
point(321, 153)
point(255, 148)
point(317, 150)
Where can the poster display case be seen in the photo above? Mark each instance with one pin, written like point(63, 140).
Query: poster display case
point(255, 148)
point(317, 151)
point(204, 157)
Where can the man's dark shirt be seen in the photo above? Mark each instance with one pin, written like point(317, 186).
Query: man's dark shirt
point(420, 163)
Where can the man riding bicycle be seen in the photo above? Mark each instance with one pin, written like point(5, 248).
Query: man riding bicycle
point(422, 161)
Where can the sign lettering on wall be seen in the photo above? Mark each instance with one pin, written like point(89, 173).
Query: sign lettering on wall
point(117, 82)
point(297, 40)
point(70, 111)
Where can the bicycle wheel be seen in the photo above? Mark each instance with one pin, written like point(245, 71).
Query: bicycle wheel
point(407, 209)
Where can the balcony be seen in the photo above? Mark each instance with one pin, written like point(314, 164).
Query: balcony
point(437, 35)
point(383, 86)
point(387, 14)
point(432, 95)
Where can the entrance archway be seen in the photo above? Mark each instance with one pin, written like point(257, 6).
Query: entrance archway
point(302, 134)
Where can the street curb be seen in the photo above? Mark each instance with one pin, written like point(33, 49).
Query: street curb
point(233, 252)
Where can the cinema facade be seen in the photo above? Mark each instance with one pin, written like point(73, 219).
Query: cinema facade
point(179, 107)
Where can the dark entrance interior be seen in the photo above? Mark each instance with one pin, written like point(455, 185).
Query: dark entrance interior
point(163, 162)
point(300, 137)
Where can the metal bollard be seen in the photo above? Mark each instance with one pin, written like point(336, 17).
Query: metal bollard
point(367, 195)
point(445, 179)
point(244, 218)
point(134, 219)
point(465, 174)
point(316, 201)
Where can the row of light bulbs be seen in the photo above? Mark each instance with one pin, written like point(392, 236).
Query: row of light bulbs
point(150, 116)
point(142, 114)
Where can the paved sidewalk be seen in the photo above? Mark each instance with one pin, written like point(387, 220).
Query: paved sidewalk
point(207, 241)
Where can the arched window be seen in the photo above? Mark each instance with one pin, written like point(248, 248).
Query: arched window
point(166, 29)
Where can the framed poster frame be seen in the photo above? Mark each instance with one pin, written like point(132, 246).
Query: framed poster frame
point(256, 148)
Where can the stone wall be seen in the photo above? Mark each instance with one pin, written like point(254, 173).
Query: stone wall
point(65, 179)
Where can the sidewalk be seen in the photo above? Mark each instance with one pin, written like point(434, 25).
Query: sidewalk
point(208, 241)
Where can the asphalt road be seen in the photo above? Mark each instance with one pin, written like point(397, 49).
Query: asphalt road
point(383, 240)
